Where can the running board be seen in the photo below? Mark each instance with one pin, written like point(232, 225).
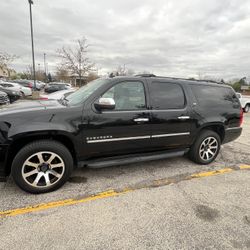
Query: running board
point(102, 163)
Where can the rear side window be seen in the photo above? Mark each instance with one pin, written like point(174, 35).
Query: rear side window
point(166, 95)
point(212, 96)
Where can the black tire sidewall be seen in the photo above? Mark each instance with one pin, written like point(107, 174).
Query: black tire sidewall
point(32, 148)
point(194, 152)
point(246, 109)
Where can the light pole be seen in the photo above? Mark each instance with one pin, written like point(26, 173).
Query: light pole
point(44, 62)
point(32, 43)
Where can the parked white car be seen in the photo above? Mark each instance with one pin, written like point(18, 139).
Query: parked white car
point(57, 95)
point(17, 87)
point(42, 84)
point(244, 101)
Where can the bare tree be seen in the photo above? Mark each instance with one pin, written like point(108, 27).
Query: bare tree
point(28, 72)
point(92, 76)
point(6, 59)
point(74, 58)
point(122, 70)
point(62, 74)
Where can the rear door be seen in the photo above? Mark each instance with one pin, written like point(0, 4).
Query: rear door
point(171, 121)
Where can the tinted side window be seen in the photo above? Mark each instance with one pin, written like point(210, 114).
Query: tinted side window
point(127, 96)
point(166, 95)
point(210, 96)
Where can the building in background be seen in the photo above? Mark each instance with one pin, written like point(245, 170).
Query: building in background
point(6, 72)
point(245, 90)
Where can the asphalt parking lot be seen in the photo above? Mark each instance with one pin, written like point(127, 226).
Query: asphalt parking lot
point(168, 204)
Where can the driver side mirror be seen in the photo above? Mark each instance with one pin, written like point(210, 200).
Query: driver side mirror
point(105, 103)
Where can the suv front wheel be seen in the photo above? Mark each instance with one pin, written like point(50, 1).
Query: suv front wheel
point(206, 147)
point(42, 166)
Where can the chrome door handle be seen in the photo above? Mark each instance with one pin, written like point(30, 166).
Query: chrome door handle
point(184, 117)
point(141, 119)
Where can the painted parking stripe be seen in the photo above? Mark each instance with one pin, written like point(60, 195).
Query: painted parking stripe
point(113, 193)
point(211, 173)
point(62, 203)
point(242, 167)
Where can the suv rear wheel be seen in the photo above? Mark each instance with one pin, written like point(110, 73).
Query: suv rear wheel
point(206, 147)
point(42, 166)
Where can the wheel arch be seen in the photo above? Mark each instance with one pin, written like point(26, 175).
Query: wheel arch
point(20, 142)
point(216, 127)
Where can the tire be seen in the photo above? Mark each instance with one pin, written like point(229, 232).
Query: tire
point(42, 166)
point(11, 99)
point(8, 101)
point(206, 147)
point(23, 95)
point(247, 108)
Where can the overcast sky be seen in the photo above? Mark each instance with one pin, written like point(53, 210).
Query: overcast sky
point(166, 37)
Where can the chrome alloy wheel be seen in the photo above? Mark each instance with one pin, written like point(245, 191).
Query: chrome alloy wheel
point(43, 169)
point(208, 148)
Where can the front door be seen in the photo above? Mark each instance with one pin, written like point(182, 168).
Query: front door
point(126, 129)
point(171, 121)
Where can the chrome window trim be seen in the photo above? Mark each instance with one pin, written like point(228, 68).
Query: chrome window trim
point(125, 111)
point(143, 110)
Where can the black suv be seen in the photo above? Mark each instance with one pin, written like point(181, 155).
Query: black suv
point(115, 121)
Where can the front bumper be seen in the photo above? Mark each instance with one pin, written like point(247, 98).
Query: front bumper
point(232, 134)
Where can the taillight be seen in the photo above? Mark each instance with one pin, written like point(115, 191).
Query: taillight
point(43, 98)
point(241, 117)
point(30, 85)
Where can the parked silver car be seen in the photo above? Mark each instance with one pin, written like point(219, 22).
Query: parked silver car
point(25, 91)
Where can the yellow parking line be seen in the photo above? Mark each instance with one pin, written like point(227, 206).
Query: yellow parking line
point(112, 193)
point(62, 203)
point(212, 173)
point(242, 167)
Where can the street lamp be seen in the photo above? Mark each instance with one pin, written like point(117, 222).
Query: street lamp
point(32, 43)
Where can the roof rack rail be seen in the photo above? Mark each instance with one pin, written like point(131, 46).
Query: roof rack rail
point(177, 78)
point(145, 75)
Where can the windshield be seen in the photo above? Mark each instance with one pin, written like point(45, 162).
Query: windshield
point(84, 92)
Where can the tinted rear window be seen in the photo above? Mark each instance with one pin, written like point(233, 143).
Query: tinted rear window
point(166, 95)
point(212, 96)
